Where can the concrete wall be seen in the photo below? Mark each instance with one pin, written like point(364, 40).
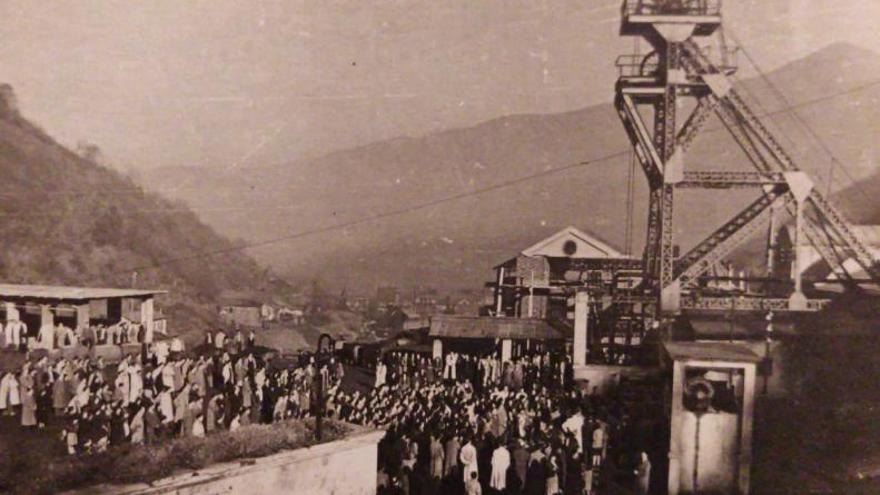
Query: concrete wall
point(345, 466)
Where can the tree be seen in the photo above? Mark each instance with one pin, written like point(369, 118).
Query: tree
point(90, 152)
point(8, 101)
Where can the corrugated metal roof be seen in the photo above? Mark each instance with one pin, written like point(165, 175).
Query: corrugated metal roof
point(710, 351)
point(70, 293)
point(492, 328)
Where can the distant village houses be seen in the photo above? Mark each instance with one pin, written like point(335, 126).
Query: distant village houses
point(243, 310)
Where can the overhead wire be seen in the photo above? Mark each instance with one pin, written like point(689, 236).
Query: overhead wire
point(428, 204)
point(383, 215)
point(835, 162)
point(189, 209)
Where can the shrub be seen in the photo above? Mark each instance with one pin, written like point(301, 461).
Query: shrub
point(144, 464)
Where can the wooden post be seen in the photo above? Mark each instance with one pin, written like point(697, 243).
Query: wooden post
point(438, 349)
point(46, 315)
point(83, 315)
point(147, 319)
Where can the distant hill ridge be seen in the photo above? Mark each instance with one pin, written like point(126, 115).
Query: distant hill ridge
point(454, 243)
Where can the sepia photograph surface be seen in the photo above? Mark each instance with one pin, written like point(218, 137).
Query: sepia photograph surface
point(463, 247)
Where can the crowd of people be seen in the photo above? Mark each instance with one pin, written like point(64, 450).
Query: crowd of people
point(473, 424)
point(17, 335)
point(465, 423)
point(152, 396)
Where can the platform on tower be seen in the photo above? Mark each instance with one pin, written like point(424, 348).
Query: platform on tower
point(705, 15)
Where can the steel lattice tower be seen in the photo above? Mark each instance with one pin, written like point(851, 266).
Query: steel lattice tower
point(679, 69)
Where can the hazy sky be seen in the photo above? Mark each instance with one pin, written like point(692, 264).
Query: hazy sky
point(241, 83)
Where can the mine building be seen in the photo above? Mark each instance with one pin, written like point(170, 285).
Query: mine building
point(538, 281)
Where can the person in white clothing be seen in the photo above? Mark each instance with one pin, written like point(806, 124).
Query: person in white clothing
point(15, 332)
point(381, 372)
point(468, 459)
point(643, 475)
point(449, 369)
point(46, 338)
point(8, 338)
point(575, 425)
point(598, 445)
point(9, 394)
point(500, 464)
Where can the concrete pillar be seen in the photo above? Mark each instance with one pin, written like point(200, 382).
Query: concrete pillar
point(800, 186)
point(748, 412)
point(581, 330)
point(675, 446)
point(12, 312)
point(506, 350)
point(46, 315)
point(438, 349)
point(83, 315)
point(147, 319)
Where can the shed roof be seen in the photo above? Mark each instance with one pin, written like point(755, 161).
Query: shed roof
point(485, 327)
point(710, 351)
point(70, 293)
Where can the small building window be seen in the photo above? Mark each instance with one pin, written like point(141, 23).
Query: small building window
point(570, 247)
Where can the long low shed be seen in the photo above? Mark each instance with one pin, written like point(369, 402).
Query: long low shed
point(506, 330)
point(83, 303)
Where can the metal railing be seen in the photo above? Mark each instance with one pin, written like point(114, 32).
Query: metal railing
point(633, 65)
point(747, 303)
point(672, 7)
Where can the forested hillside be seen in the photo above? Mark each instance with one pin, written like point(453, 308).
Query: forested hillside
point(65, 219)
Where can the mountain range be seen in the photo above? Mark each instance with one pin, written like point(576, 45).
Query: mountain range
point(441, 209)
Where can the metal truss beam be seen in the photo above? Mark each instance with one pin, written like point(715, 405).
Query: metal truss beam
point(858, 251)
point(730, 235)
point(729, 180)
point(694, 124)
point(737, 114)
point(640, 139)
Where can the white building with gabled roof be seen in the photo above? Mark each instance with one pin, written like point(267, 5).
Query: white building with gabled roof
point(538, 281)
